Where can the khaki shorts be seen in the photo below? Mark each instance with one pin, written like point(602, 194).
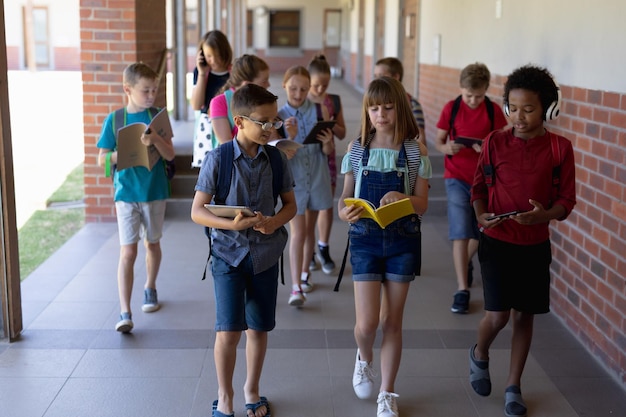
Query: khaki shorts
point(137, 220)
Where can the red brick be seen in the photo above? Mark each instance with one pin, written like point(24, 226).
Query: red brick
point(610, 99)
point(617, 118)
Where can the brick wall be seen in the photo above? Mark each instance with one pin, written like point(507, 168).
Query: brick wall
point(113, 34)
point(589, 248)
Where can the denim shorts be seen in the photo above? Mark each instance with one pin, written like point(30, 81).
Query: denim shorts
point(462, 222)
point(515, 276)
point(244, 300)
point(137, 219)
point(393, 253)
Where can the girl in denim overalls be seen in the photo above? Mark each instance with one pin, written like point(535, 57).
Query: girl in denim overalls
point(384, 165)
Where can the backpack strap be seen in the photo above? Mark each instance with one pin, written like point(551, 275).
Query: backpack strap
point(455, 110)
point(318, 111)
point(490, 111)
point(556, 167)
point(336, 100)
point(224, 175)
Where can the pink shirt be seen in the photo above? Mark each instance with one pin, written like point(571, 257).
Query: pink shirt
point(219, 108)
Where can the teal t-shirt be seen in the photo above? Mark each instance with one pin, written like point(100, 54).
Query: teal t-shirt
point(137, 184)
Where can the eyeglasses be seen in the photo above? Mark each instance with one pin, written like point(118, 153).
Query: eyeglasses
point(266, 125)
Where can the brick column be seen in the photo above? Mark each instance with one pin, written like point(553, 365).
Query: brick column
point(113, 35)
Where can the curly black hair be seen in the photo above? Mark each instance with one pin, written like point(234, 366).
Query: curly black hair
point(533, 78)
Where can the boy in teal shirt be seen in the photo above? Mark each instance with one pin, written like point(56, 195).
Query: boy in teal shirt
point(140, 193)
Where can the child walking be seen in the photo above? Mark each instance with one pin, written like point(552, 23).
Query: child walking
point(246, 250)
point(140, 193)
point(213, 59)
point(530, 170)
point(385, 164)
point(392, 67)
point(246, 69)
point(475, 117)
point(309, 165)
point(320, 79)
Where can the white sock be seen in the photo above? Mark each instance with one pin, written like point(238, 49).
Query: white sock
point(304, 276)
point(295, 287)
point(322, 244)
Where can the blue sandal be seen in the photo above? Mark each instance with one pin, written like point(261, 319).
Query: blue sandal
point(255, 406)
point(479, 374)
point(216, 413)
point(514, 405)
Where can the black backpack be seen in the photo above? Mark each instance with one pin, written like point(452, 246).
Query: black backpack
point(455, 110)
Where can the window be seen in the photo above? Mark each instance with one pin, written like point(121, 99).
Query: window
point(36, 37)
point(284, 29)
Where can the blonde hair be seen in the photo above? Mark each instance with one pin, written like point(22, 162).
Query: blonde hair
point(296, 70)
point(385, 90)
point(134, 72)
point(475, 76)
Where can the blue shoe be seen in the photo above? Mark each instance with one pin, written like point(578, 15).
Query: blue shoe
point(261, 403)
point(150, 301)
point(125, 325)
point(215, 413)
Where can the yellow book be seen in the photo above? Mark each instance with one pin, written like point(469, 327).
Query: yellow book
point(383, 215)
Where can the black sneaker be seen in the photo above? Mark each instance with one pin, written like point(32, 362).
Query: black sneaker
point(461, 302)
point(328, 266)
point(470, 274)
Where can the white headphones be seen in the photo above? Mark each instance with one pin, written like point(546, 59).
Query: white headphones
point(553, 110)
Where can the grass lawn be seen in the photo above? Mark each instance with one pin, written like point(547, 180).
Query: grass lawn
point(47, 230)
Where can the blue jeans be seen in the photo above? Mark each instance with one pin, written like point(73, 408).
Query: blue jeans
point(462, 222)
point(242, 299)
point(393, 253)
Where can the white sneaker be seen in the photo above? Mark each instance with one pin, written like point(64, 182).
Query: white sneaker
point(387, 406)
point(296, 298)
point(306, 285)
point(363, 378)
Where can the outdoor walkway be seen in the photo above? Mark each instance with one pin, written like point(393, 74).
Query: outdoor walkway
point(71, 362)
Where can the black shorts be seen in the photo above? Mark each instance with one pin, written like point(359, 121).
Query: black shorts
point(515, 276)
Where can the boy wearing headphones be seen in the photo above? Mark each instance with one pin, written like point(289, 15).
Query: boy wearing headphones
point(529, 171)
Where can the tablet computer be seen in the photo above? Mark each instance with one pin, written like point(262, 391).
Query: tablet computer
point(229, 211)
point(468, 142)
point(317, 129)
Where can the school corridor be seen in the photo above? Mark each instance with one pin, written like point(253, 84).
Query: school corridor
point(70, 362)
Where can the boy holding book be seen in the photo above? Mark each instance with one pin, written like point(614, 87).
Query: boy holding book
point(140, 193)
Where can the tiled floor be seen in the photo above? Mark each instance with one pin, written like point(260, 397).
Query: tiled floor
point(71, 363)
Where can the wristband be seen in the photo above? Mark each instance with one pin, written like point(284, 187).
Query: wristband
point(107, 164)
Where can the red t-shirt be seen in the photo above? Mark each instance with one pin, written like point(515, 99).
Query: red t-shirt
point(471, 123)
point(523, 171)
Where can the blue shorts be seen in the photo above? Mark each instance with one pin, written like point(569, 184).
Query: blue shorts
point(515, 276)
point(393, 253)
point(462, 222)
point(244, 300)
